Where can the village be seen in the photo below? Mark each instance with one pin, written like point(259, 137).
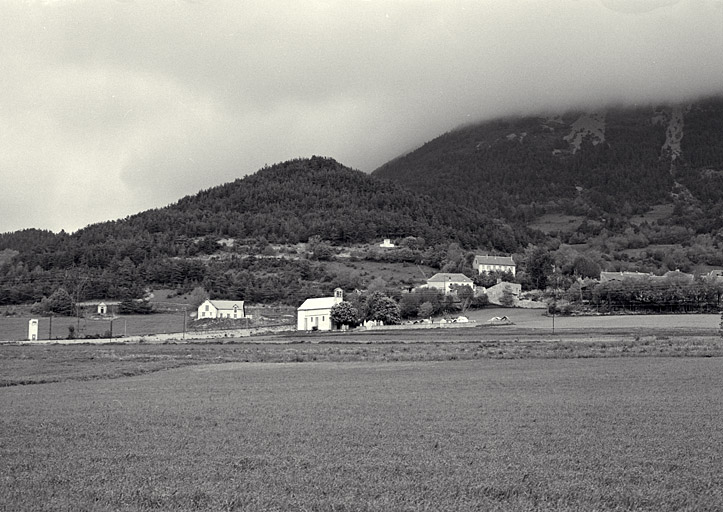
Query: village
point(443, 300)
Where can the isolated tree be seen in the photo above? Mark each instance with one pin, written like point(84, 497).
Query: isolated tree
point(60, 303)
point(507, 299)
point(409, 305)
point(480, 301)
point(425, 310)
point(197, 297)
point(448, 304)
point(345, 313)
point(319, 249)
point(377, 284)
point(465, 294)
point(539, 267)
point(383, 309)
point(135, 307)
point(585, 267)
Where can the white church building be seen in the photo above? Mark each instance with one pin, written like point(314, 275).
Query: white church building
point(315, 314)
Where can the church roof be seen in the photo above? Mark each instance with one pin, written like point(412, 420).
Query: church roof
point(318, 303)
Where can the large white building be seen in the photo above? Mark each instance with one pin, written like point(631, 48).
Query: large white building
point(495, 263)
point(221, 309)
point(315, 314)
point(446, 282)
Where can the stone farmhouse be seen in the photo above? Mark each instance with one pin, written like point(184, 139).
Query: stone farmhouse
point(445, 282)
point(221, 309)
point(496, 293)
point(495, 264)
point(315, 314)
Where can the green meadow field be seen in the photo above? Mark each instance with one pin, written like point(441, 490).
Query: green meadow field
point(454, 426)
point(532, 320)
point(16, 328)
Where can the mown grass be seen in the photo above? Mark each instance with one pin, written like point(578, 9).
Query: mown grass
point(531, 434)
point(36, 364)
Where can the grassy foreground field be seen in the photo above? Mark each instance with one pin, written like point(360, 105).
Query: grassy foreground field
point(527, 434)
point(37, 364)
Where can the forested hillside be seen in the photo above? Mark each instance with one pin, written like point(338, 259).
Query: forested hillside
point(619, 161)
point(637, 189)
point(287, 203)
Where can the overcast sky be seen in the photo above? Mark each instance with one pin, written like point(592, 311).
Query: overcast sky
point(109, 108)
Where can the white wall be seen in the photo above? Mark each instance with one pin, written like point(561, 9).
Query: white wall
point(319, 318)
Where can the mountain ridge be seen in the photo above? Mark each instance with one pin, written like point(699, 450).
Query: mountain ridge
point(575, 157)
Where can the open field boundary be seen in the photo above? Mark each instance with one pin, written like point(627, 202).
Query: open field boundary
point(420, 325)
point(163, 338)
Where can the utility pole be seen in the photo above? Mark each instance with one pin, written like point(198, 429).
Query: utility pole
point(554, 296)
point(184, 321)
point(80, 285)
point(50, 328)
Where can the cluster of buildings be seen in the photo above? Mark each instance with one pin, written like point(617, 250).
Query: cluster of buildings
point(315, 313)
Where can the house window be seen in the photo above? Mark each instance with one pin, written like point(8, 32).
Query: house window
point(206, 307)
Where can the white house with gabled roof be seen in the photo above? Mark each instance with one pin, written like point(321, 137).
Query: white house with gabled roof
point(446, 282)
point(495, 264)
point(221, 309)
point(315, 314)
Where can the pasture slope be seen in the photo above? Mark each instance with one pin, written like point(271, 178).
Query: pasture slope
point(523, 434)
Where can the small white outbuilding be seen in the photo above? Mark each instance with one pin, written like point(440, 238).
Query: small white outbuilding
point(315, 314)
point(33, 329)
